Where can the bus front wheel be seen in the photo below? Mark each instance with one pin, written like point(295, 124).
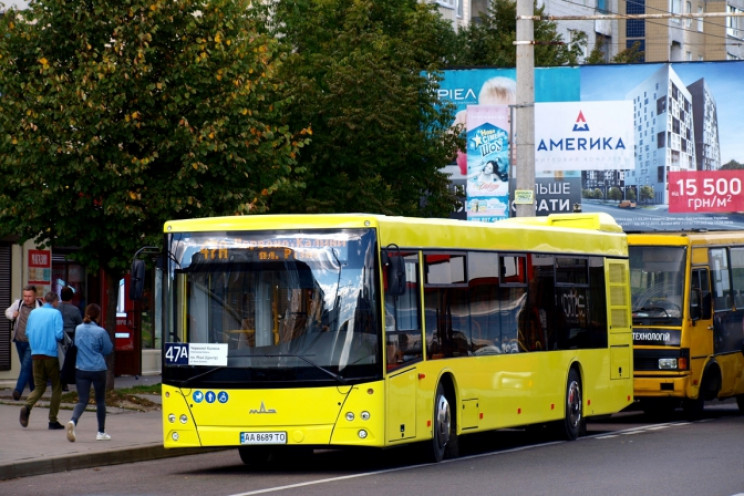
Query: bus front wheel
point(444, 439)
point(256, 456)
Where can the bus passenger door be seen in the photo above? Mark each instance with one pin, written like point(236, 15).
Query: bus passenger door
point(401, 405)
point(701, 310)
point(403, 349)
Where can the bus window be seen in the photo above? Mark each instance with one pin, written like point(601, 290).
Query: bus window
point(483, 278)
point(402, 319)
point(737, 275)
point(447, 307)
point(657, 284)
point(721, 279)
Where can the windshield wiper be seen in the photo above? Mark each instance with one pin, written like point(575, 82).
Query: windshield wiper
point(336, 376)
point(199, 376)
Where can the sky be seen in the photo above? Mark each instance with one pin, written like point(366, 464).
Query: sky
point(14, 3)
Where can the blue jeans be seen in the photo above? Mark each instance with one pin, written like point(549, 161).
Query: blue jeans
point(83, 381)
point(26, 376)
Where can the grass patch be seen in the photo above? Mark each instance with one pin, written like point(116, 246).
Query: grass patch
point(133, 398)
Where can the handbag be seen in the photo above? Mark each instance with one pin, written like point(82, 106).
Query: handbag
point(67, 374)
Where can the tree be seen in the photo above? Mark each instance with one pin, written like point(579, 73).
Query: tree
point(361, 74)
point(647, 193)
point(491, 42)
point(630, 55)
point(117, 116)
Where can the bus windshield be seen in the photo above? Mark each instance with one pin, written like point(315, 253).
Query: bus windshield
point(657, 284)
point(286, 305)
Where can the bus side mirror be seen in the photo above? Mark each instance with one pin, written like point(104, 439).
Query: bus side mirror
point(396, 275)
point(137, 283)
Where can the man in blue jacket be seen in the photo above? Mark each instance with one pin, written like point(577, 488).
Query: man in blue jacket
point(44, 331)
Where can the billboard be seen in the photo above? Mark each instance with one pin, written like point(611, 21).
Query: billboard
point(673, 164)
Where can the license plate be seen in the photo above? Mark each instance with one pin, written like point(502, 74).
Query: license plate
point(263, 438)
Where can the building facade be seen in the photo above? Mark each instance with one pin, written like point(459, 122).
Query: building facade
point(687, 39)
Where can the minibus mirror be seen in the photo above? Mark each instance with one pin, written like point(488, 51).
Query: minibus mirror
point(137, 283)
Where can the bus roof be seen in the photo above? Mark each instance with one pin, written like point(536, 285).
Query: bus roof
point(574, 233)
point(684, 238)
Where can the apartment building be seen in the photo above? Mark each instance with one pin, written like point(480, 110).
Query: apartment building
point(684, 39)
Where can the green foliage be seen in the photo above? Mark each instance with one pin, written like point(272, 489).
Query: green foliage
point(732, 165)
point(355, 75)
point(647, 193)
point(628, 56)
point(491, 42)
point(119, 115)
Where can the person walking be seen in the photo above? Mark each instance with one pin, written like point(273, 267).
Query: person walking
point(71, 318)
point(18, 313)
point(44, 331)
point(93, 344)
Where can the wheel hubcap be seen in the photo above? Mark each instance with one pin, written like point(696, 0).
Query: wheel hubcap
point(574, 404)
point(443, 420)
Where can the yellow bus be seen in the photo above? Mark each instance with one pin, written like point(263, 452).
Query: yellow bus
point(687, 291)
point(355, 330)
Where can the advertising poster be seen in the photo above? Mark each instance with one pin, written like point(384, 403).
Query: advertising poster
point(487, 186)
point(687, 164)
point(468, 88)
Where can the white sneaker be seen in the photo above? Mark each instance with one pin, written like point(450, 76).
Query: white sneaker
point(71, 431)
point(102, 436)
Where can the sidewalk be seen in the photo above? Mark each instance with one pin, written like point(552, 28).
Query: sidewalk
point(135, 435)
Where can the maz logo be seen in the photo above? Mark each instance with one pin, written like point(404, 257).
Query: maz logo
point(263, 409)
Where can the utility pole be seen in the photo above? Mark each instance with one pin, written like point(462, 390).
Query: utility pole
point(524, 194)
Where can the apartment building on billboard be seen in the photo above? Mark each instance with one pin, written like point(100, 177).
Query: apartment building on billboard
point(683, 40)
point(676, 129)
point(707, 142)
point(663, 120)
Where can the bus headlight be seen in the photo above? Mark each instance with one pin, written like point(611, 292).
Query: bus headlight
point(365, 415)
point(362, 434)
point(183, 418)
point(172, 418)
point(667, 364)
point(349, 416)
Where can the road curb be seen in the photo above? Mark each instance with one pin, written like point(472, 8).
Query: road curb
point(88, 460)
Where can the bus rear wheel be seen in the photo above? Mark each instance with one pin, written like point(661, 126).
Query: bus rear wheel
point(444, 440)
point(572, 424)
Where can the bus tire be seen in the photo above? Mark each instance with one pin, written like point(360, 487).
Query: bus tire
point(740, 402)
point(693, 408)
point(572, 424)
point(255, 456)
point(444, 438)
